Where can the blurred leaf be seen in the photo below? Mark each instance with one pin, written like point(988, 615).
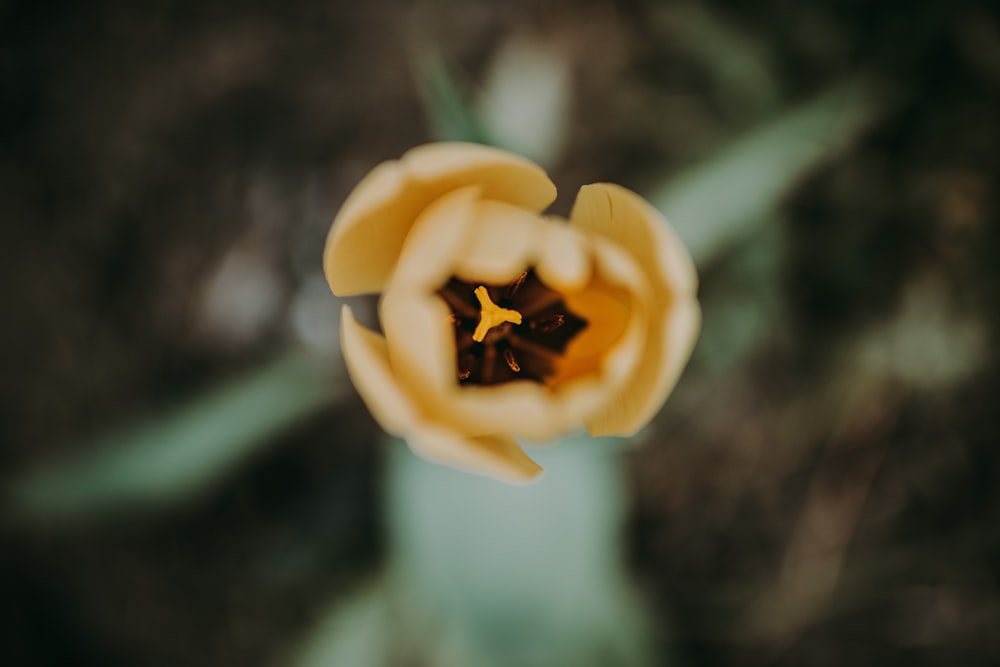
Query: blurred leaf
point(180, 453)
point(720, 201)
point(743, 305)
point(451, 118)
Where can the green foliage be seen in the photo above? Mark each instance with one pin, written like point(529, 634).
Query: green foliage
point(174, 455)
point(721, 200)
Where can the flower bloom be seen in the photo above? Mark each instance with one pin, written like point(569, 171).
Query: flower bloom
point(501, 323)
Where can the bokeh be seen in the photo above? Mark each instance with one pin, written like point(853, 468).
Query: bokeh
point(187, 476)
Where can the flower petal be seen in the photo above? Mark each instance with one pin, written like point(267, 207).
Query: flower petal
point(497, 456)
point(418, 333)
point(438, 237)
point(626, 219)
point(420, 341)
point(563, 261)
point(367, 359)
point(667, 349)
point(523, 408)
point(501, 244)
point(368, 233)
point(503, 176)
point(616, 303)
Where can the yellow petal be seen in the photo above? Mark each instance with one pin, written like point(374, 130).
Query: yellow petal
point(419, 335)
point(522, 408)
point(563, 258)
point(420, 340)
point(626, 219)
point(367, 359)
point(438, 237)
point(667, 349)
point(496, 456)
point(501, 243)
point(503, 176)
point(616, 304)
point(608, 311)
point(368, 233)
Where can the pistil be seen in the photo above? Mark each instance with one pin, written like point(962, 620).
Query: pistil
point(491, 315)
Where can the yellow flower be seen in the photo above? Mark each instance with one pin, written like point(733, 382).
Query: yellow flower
point(501, 323)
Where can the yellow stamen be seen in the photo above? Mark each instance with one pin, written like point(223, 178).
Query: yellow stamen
point(491, 315)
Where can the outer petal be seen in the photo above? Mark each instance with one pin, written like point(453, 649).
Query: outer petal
point(368, 233)
point(368, 364)
point(629, 221)
point(498, 456)
point(624, 217)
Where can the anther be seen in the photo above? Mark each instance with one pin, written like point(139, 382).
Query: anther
point(516, 285)
point(548, 324)
point(465, 365)
point(508, 356)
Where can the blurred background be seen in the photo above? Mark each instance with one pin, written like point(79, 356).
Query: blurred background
point(187, 477)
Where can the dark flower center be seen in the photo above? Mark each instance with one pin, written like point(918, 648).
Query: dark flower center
point(509, 332)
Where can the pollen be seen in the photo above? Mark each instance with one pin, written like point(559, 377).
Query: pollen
point(491, 315)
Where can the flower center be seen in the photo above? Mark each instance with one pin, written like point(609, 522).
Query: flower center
point(508, 332)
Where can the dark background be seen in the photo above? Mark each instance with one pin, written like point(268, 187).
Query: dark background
point(168, 172)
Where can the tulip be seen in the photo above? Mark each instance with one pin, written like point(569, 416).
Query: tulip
point(499, 323)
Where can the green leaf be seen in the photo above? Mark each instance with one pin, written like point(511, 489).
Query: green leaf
point(181, 452)
point(720, 201)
